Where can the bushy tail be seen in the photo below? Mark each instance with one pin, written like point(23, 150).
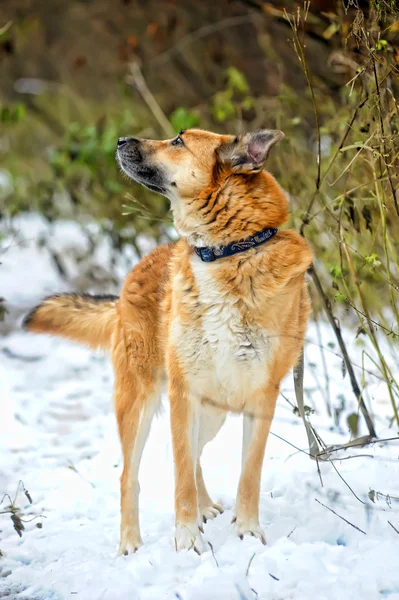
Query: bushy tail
point(89, 319)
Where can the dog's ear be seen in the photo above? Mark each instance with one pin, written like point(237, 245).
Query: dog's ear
point(248, 153)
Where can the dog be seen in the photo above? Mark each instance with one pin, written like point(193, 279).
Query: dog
point(221, 314)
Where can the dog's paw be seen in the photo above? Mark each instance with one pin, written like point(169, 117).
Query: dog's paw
point(129, 546)
point(242, 527)
point(210, 511)
point(188, 537)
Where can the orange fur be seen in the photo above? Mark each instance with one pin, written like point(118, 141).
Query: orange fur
point(83, 318)
point(224, 334)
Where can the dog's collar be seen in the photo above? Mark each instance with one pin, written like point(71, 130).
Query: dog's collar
point(209, 253)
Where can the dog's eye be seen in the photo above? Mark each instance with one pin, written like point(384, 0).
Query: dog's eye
point(177, 141)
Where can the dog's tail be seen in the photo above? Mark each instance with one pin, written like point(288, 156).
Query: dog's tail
point(89, 319)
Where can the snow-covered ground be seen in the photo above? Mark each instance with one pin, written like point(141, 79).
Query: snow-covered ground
point(58, 435)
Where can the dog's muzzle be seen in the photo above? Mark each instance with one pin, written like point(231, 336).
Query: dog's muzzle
point(134, 161)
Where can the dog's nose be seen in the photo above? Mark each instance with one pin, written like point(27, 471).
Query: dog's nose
point(122, 141)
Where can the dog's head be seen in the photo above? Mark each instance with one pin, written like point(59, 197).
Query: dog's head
point(211, 180)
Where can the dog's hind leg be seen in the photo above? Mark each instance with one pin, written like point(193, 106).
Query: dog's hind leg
point(211, 421)
point(136, 401)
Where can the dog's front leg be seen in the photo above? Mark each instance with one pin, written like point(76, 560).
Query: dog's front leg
point(184, 425)
point(255, 433)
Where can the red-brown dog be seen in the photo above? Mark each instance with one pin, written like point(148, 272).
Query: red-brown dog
point(222, 313)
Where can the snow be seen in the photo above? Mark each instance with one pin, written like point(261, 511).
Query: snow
point(58, 435)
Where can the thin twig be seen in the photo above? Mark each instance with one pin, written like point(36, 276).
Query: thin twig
point(136, 78)
point(342, 518)
point(361, 444)
point(298, 384)
point(307, 218)
point(213, 554)
point(384, 148)
point(371, 331)
point(291, 444)
point(337, 330)
point(393, 527)
point(339, 458)
point(5, 27)
point(325, 369)
point(389, 332)
point(249, 564)
point(345, 482)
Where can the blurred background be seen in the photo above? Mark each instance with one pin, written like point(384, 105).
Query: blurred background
point(77, 74)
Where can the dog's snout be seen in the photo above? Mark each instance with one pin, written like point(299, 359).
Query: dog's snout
point(122, 141)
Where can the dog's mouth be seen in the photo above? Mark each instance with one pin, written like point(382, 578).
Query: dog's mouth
point(155, 188)
point(133, 162)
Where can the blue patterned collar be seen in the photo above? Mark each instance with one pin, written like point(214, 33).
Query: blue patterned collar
point(209, 254)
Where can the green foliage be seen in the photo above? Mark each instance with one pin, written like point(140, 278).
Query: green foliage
point(75, 174)
point(353, 424)
point(339, 298)
point(230, 102)
point(381, 45)
point(223, 106)
point(85, 146)
point(12, 114)
point(236, 81)
point(385, 8)
point(308, 410)
point(336, 271)
point(181, 118)
point(373, 261)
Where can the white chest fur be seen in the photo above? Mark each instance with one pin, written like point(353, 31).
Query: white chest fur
point(227, 357)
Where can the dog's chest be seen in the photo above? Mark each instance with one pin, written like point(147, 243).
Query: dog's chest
point(224, 347)
point(227, 333)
